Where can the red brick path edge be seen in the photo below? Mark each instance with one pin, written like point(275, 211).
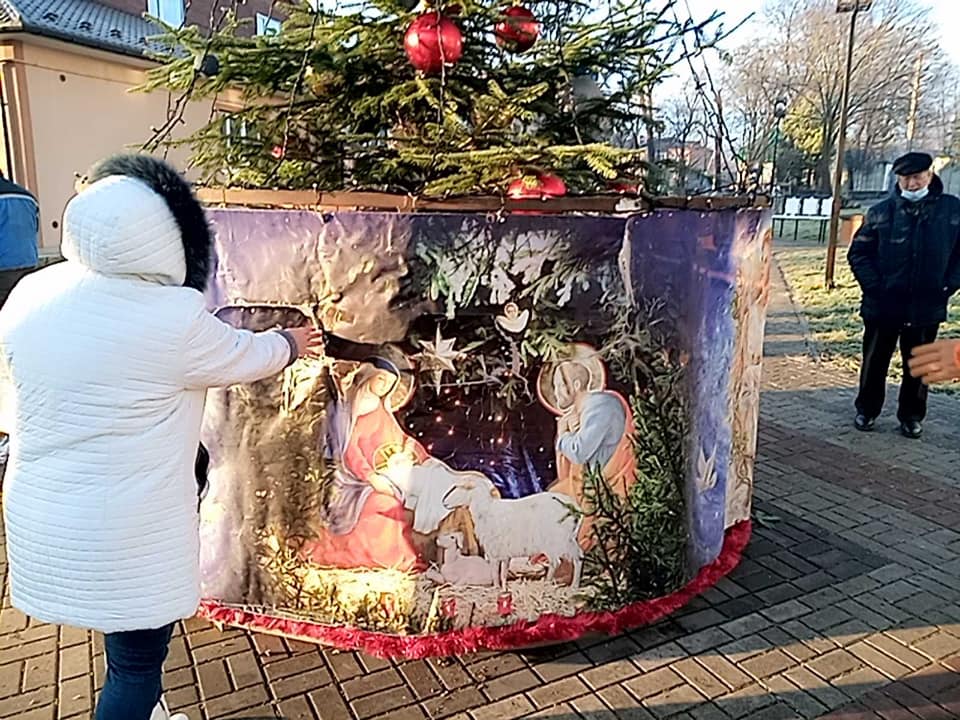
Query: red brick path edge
point(548, 629)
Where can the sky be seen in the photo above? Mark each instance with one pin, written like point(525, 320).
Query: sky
point(945, 13)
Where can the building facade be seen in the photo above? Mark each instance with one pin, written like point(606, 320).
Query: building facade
point(67, 73)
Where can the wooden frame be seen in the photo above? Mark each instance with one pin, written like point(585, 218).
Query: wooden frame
point(350, 200)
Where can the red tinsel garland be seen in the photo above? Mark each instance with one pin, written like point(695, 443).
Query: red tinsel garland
point(553, 629)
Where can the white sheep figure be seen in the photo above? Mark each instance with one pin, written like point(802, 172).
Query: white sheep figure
point(459, 569)
point(545, 523)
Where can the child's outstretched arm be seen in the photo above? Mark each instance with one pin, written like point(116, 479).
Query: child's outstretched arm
point(218, 355)
point(937, 362)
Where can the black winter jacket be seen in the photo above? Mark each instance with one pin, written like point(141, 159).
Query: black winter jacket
point(906, 258)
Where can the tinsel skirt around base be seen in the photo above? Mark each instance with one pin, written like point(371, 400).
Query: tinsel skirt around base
point(546, 630)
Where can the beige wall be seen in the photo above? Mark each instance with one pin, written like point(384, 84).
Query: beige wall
point(78, 108)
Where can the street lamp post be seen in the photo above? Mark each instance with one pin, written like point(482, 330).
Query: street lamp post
point(854, 7)
point(779, 112)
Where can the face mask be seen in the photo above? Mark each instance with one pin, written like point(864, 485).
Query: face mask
point(914, 195)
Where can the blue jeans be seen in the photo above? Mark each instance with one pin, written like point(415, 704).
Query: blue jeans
point(134, 673)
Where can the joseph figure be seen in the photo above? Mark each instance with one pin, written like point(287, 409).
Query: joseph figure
point(595, 431)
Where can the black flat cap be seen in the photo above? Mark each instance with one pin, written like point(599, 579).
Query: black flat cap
point(911, 163)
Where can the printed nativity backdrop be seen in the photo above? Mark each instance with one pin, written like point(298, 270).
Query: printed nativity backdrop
point(516, 417)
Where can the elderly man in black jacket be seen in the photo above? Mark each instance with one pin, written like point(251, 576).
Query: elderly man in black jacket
point(906, 258)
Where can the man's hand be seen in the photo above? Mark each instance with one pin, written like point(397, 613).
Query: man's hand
point(568, 423)
point(937, 362)
point(309, 341)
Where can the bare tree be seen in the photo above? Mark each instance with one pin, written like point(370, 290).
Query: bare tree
point(803, 55)
point(752, 93)
point(683, 118)
point(952, 146)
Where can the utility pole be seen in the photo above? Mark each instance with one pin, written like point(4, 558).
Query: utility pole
point(854, 7)
point(914, 103)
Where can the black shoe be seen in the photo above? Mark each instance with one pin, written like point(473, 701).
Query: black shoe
point(911, 429)
point(864, 424)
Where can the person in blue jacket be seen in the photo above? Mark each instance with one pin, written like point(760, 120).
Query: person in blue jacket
point(19, 234)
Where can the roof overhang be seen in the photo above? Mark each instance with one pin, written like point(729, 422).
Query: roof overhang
point(85, 23)
point(75, 48)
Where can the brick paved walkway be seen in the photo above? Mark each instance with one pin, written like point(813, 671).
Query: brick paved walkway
point(847, 605)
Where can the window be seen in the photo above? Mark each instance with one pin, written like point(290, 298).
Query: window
point(267, 25)
point(238, 130)
point(169, 11)
point(234, 130)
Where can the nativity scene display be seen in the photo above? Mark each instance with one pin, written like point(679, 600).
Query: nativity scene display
point(503, 425)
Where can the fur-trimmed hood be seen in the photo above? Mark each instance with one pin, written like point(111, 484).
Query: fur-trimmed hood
point(139, 217)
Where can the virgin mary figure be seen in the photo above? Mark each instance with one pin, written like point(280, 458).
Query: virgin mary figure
point(365, 522)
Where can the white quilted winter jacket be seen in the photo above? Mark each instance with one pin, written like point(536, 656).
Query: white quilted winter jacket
point(107, 360)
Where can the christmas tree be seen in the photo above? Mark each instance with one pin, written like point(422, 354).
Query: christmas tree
point(438, 98)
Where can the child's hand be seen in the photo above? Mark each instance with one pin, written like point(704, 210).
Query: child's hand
point(309, 341)
point(937, 362)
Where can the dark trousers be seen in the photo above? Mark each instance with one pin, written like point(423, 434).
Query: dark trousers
point(9, 278)
point(133, 684)
point(879, 344)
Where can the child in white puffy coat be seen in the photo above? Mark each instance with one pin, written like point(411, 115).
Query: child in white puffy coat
point(106, 359)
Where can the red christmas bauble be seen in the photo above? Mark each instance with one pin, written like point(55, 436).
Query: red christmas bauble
point(519, 29)
point(625, 187)
point(542, 185)
point(433, 41)
point(277, 152)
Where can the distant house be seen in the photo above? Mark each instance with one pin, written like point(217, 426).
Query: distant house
point(690, 164)
point(66, 69)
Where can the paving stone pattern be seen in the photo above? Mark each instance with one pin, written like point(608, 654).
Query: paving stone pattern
point(847, 605)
